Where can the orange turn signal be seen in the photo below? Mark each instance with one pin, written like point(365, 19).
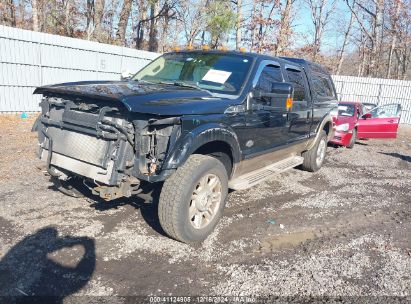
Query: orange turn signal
point(289, 103)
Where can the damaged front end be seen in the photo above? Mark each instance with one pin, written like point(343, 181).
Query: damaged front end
point(111, 149)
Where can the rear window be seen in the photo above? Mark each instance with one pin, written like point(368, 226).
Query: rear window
point(322, 86)
point(296, 79)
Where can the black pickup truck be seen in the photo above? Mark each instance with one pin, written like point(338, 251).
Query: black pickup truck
point(199, 122)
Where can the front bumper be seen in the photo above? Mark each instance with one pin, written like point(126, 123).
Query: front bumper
point(341, 138)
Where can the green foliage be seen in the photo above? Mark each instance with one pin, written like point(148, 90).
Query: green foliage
point(220, 20)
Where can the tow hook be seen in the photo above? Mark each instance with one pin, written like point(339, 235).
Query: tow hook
point(125, 189)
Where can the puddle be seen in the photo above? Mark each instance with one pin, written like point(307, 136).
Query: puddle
point(285, 241)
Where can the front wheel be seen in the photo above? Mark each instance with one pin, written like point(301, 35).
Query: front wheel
point(314, 158)
point(353, 139)
point(193, 198)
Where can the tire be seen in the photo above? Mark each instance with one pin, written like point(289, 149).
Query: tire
point(312, 160)
point(353, 139)
point(183, 217)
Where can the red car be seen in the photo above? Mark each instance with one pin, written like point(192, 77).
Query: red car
point(352, 121)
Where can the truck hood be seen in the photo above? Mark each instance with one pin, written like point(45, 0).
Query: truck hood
point(143, 97)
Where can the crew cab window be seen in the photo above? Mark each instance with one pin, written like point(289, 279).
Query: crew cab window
point(296, 78)
point(321, 85)
point(269, 75)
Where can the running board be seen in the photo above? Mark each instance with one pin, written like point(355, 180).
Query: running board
point(255, 177)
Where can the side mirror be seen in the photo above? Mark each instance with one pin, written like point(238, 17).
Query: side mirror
point(126, 74)
point(281, 95)
point(367, 116)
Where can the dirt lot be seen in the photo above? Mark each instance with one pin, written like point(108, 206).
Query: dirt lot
point(343, 231)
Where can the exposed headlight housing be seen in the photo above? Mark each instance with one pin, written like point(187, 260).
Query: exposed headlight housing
point(343, 128)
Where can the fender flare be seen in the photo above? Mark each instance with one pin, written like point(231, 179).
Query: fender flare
point(190, 142)
point(326, 119)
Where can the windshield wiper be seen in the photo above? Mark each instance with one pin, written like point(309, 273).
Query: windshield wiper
point(185, 85)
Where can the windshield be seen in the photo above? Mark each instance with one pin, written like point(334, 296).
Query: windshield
point(215, 72)
point(346, 110)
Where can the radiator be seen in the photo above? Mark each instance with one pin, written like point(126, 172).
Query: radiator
point(80, 146)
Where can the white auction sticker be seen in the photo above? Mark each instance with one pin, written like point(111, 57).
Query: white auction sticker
point(217, 76)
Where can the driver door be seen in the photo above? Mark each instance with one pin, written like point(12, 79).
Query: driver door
point(380, 122)
point(266, 121)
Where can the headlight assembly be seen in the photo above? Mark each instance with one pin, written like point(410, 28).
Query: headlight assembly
point(343, 127)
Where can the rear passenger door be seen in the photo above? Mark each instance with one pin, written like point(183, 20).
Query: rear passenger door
point(300, 116)
point(323, 95)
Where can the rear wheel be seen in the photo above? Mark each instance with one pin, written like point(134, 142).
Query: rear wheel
point(193, 198)
point(353, 139)
point(314, 158)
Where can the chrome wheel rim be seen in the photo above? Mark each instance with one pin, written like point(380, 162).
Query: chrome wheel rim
point(205, 201)
point(322, 146)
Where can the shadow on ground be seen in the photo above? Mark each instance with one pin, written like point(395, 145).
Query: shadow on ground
point(44, 264)
point(397, 155)
point(146, 202)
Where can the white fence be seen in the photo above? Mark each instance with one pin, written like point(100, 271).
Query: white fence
point(31, 59)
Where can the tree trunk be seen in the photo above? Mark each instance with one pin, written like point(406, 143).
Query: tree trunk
point(238, 26)
point(163, 37)
point(12, 8)
point(253, 25)
point(317, 41)
point(141, 26)
point(283, 36)
point(345, 42)
point(68, 25)
point(390, 54)
point(376, 43)
point(153, 41)
point(394, 28)
point(35, 12)
point(123, 21)
point(98, 19)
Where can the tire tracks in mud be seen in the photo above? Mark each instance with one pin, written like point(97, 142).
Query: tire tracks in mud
point(330, 233)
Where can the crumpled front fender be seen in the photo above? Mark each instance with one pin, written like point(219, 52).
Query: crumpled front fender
point(189, 143)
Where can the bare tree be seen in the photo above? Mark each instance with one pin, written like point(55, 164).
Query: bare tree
point(123, 21)
point(191, 16)
point(239, 4)
point(140, 44)
point(321, 11)
point(35, 12)
point(374, 34)
point(395, 10)
point(347, 33)
point(98, 19)
point(379, 31)
point(285, 29)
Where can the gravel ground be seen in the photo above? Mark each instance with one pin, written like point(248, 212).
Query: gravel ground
point(343, 231)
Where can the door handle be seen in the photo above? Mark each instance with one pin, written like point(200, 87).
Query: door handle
point(391, 121)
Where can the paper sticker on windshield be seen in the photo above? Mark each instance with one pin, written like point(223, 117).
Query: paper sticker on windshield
point(217, 76)
point(342, 108)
